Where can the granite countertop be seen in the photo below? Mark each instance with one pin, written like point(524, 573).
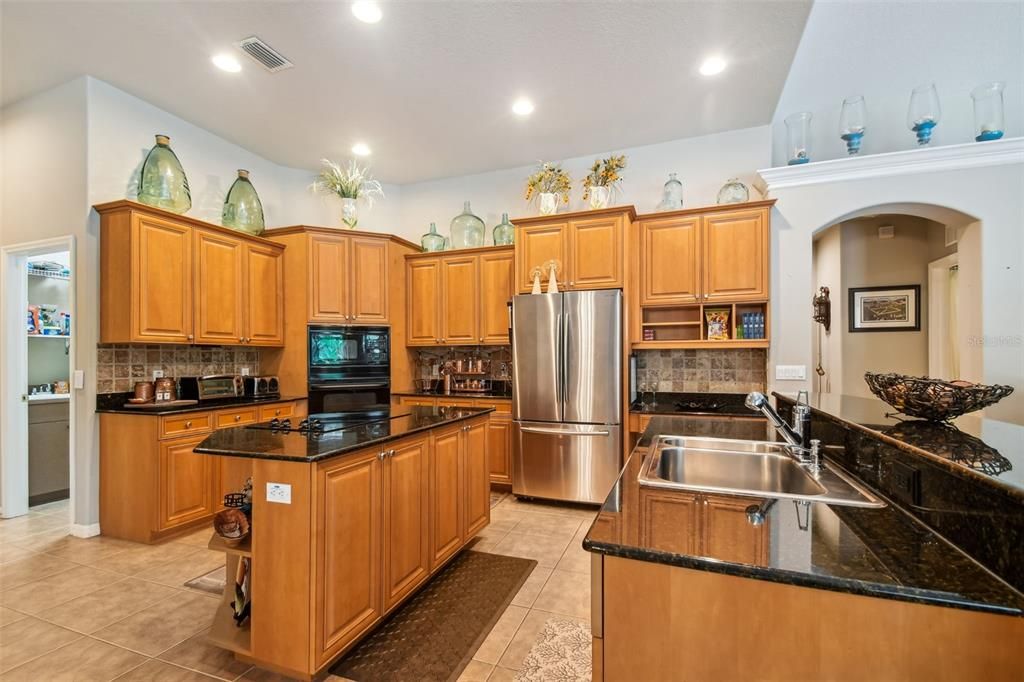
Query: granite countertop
point(455, 394)
point(243, 441)
point(114, 403)
point(875, 552)
point(729, 405)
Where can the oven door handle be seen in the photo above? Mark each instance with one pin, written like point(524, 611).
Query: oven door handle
point(328, 387)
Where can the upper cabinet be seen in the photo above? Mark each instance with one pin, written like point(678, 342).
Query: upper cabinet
point(459, 297)
point(348, 279)
point(166, 278)
point(588, 246)
point(735, 255)
point(669, 267)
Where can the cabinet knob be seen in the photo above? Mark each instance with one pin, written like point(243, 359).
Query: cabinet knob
point(188, 425)
point(391, 453)
point(381, 455)
point(277, 412)
point(238, 417)
point(481, 339)
point(189, 337)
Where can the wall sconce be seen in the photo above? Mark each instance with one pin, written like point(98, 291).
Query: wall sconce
point(823, 309)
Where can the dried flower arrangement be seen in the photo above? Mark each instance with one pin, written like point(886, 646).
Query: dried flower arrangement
point(549, 179)
point(352, 182)
point(604, 173)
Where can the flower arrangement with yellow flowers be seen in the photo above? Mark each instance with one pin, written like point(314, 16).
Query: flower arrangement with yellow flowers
point(549, 179)
point(604, 173)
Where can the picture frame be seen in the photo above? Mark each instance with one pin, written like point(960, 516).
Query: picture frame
point(895, 308)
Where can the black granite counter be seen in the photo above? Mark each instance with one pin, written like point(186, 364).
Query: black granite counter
point(116, 403)
point(502, 394)
point(710, 404)
point(262, 443)
point(875, 552)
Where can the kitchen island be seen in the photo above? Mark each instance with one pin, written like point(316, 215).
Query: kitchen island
point(347, 524)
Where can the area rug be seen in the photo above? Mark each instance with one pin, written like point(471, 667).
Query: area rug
point(561, 652)
point(435, 634)
point(212, 582)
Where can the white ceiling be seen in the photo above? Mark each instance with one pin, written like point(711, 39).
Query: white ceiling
point(429, 88)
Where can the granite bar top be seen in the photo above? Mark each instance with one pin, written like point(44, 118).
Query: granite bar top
point(729, 404)
point(116, 403)
point(242, 441)
point(503, 395)
point(881, 553)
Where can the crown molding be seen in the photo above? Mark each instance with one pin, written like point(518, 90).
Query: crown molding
point(913, 161)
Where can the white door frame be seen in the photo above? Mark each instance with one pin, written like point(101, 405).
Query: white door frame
point(14, 372)
point(938, 317)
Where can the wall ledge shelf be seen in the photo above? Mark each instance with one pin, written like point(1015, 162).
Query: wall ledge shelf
point(731, 344)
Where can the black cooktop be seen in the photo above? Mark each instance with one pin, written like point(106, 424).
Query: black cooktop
point(324, 422)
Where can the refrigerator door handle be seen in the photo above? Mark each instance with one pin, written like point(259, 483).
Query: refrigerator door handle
point(558, 432)
point(560, 394)
point(565, 358)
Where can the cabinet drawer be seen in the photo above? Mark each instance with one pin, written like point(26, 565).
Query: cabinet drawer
point(279, 411)
point(426, 402)
point(185, 424)
point(502, 408)
point(228, 418)
point(454, 402)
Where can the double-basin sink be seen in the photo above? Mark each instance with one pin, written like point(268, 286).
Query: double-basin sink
point(746, 467)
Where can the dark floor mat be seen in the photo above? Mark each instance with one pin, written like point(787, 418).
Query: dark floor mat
point(435, 634)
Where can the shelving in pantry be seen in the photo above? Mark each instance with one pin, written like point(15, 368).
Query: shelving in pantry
point(686, 326)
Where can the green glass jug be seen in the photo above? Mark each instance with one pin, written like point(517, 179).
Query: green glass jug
point(242, 208)
point(162, 182)
point(504, 232)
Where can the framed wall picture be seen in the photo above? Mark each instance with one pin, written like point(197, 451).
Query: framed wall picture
point(885, 309)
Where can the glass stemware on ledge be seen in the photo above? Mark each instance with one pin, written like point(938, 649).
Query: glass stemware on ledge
point(852, 123)
point(924, 112)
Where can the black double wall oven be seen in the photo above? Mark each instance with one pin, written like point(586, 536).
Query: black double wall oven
point(349, 371)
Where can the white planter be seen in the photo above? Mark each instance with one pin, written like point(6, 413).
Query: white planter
point(349, 213)
point(600, 196)
point(548, 203)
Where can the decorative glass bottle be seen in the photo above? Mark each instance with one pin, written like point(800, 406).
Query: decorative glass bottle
point(162, 182)
point(798, 134)
point(853, 123)
point(432, 241)
point(672, 194)
point(242, 208)
point(467, 230)
point(988, 111)
point(733, 192)
point(504, 232)
point(923, 113)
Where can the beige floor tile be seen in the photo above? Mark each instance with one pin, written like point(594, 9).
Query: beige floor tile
point(196, 538)
point(58, 507)
point(527, 594)
point(562, 509)
point(42, 595)
point(30, 569)
point(524, 640)
point(142, 558)
point(163, 625)
point(500, 674)
point(28, 638)
point(546, 550)
point(506, 515)
point(155, 670)
point(476, 671)
point(82, 660)
point(196, 653)
point(566, 594)
point(107, 606)
point(482, 544)
point(575, 558)
point(8, 616)
point(262, 675)
point(177, 572)
point(548, 524)
point(81, 550)
point(12, 552)
point(24, 526)
point(500, 635)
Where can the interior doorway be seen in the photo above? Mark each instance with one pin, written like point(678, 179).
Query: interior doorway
point(37, 378)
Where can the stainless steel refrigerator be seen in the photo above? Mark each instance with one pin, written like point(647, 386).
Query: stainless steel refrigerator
point(567, 394)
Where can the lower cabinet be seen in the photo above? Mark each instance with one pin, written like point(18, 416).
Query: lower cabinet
point(476, 493)
point(446, 482)
point(499, 449)
point(187, 483)
point(406, 518)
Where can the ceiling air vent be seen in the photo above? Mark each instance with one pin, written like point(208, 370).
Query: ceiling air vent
point(270, 58)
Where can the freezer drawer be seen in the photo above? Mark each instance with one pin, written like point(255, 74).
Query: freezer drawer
point(572, 462)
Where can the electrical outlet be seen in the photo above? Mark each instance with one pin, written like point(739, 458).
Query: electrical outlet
point(906, 483)
point(245, 371)
point(280, 493)
point(791, 372)
point(158, 374)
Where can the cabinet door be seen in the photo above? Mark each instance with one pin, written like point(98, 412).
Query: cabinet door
point(496, 289)
point(735, 246)
point(369, 281)
point(499, 450)
point(476, 478)
point(264, 296)
point(219, 289)
point(446, 486)
point(328, 278)
point(669, 261)
point(729, 536)
point(670, 521)
point(162, 281)
point(348, 559)
point(230, 474)
point(186, 485)
point(423, 300)
point(406, 519)
point(595, 253)
point(460, 309)
point(535, 246)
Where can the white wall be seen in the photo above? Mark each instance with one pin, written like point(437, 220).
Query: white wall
point(703, 164)
point(882, 50)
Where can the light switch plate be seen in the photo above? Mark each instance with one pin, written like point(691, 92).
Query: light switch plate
point(79, 378)
point(245, 371)
point(281, 493)
point(791, 372)
point(158, 374)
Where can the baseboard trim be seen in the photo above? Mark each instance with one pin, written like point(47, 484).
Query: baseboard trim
point(82, 530)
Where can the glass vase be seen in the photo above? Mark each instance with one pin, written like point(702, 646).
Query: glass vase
point(242, 208)
point(467, 230)
point(349, 213)
point(162, 182)
point(924, 112)
point(548, 203)
point(432, 241)
point(672, 194)
point(600, 196)
point(798, 136)
point(504, 232)
point(733, 192)
point(988, 111)
point(853, 123)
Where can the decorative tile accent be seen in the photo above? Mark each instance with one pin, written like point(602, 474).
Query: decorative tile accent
point(700, 370)
point(119, 366)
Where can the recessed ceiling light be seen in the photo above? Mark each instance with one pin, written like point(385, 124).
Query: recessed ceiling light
point(226, 62)
point(522, 107)
point(367, 11)
point(360, 149)
point(713, 66)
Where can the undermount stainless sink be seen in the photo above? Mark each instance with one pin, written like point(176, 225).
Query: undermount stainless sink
point(745, 467)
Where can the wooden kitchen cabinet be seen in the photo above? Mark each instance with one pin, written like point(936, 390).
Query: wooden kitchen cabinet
point(535, 246)
point(447, 480)
point(729, 536)
point(476, 488)
point(595, 253)
point(348, 279)
point(220, 288)
point(460, 300)
point(499, 449)
point(423, 301)
point(406, 518)
point(369, 298)
point(669, 252)
point(497, 287)
point(328, 278)
point(735, 255)
point(186, 483)
point(671, 520)
point(264, 295)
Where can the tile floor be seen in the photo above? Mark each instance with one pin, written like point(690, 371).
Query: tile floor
point(105, 609)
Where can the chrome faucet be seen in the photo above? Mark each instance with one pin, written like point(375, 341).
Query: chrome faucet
point(809, 457)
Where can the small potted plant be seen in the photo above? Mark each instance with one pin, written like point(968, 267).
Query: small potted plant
point(604, 177)
point(549, 183)
point(350, 183)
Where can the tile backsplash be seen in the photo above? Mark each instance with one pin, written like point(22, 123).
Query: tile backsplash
point(119, 366)
point(718, 371)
